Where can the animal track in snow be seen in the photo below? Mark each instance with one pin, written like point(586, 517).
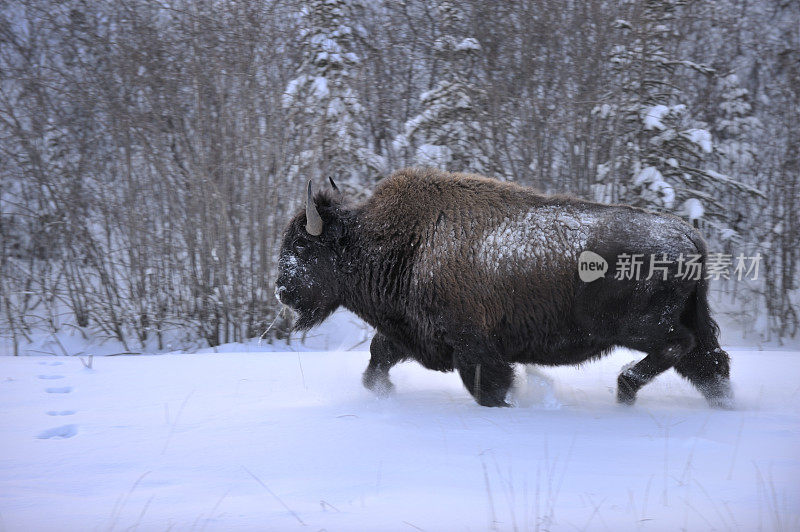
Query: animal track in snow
point(51, 363)
point(62, 432)
point(62, 389)
point(60, 412)
point(51, 377)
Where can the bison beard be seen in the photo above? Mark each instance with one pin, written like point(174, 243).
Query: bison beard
point(461, 272)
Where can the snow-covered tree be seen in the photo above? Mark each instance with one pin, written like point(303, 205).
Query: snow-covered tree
point(735, 127)
point(323, 101)
point(447, 132)
point(662, 153)
point(734, 130)
point(150, 157)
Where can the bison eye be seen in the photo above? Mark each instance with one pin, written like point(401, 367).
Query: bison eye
point(300, 248)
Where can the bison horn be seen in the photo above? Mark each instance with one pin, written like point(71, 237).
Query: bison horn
point(313, 219)
point(333, 185)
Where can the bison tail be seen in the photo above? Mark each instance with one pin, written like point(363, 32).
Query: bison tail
point(702, 324)
point(706, 366)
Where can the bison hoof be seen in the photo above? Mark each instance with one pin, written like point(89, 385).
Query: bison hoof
point(492, 401)
point(625, 399)
point(380, 385)
point(626, 390)
point(722, 403)
point(495, 404)
point(719, 395)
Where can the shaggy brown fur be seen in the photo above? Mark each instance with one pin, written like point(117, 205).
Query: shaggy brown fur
point(463, 272)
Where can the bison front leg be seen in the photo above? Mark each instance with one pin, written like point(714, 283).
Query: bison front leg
point(383, 355)
point(487, 381)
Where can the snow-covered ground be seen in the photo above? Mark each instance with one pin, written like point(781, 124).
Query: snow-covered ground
point(259, 440)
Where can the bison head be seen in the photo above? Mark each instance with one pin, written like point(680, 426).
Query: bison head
point(309, 280)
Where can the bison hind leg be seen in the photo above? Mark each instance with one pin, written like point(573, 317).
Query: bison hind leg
point(660, 358)
point(709, 371)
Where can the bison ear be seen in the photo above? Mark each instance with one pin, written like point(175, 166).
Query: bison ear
point(313, 219)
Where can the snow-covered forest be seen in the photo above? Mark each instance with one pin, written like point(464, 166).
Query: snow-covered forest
point(152, 152)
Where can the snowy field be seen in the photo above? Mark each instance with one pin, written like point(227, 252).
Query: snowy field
point(257, 440)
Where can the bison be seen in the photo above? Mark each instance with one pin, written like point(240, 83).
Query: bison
point(467, 273)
